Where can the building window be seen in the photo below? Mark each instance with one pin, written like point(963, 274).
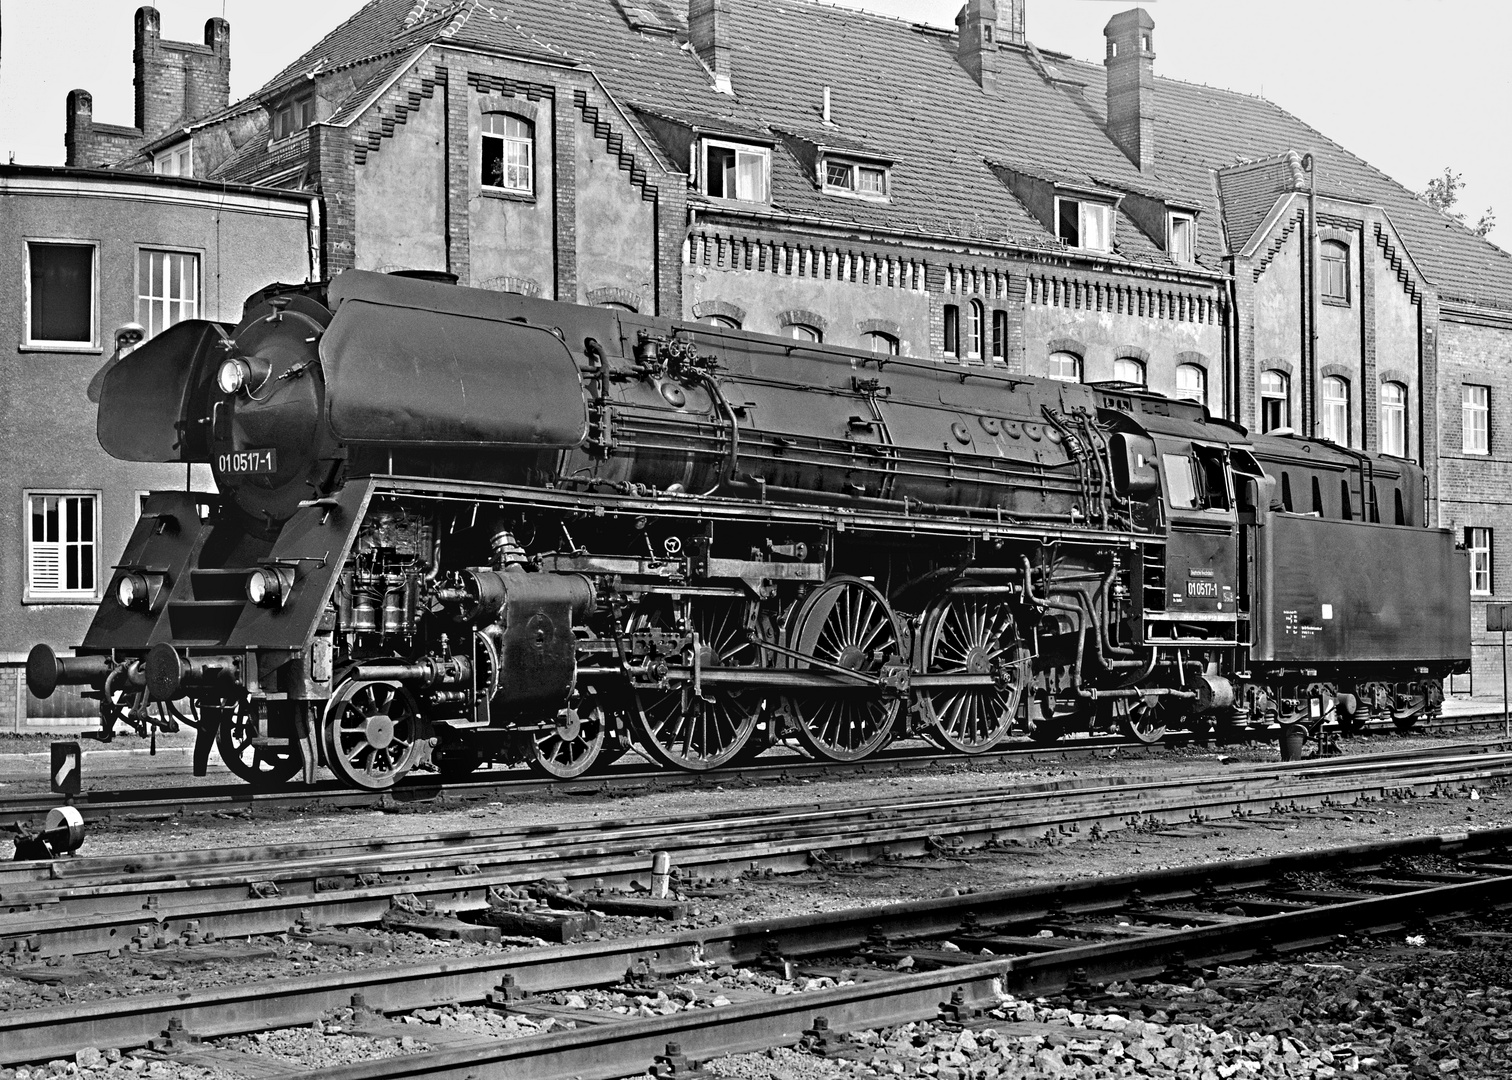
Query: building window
point(1336, 410)
point(1126, 370)
point(1191, 383)
point(974, 347)
point(721, 320)
point(1084, 225)
point(1478, 543)
point(61, 545)
point(802, 332)
point(879, 342)
point(175, 161)
point(508, 153)
point(1275, 400)
point(1393, 414)
point(852, 177)
point(1000, 335)
point(1475, 419)
point(736, 172)
point(167, 289)
point(1334, 273)
point(60, 295)
point(952, 330)
point(293, 117)
point(1181, 243)
point(1064, 367)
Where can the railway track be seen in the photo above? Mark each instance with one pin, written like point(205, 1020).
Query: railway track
point(1039, 941)
point(427, 789)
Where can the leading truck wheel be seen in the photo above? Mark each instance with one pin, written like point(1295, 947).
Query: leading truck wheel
point(262, 762)
point(372, 733)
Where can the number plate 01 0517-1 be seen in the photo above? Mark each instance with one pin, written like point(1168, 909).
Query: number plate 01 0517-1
point(1207, 589)
point(247, 463)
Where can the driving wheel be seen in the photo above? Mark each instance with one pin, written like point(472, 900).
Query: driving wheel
point(372, 733)
point(845, 623)
point(971, 634)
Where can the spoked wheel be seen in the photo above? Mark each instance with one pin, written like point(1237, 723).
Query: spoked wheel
point(372, 733)
point(971, 635)
point(257, 761)
point(570, 746)
point(1139, 719)
point(686, 730)
point(848, 623)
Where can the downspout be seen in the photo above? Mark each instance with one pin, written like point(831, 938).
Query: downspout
point(446, 221)
point(1310, 371)
point(1232, 377)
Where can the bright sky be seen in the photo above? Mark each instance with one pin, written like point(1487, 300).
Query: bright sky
point(1410, 85)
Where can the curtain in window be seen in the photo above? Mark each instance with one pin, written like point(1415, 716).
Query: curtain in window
point(62, 292)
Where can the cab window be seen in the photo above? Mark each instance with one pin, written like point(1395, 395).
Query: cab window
point(1181, 481)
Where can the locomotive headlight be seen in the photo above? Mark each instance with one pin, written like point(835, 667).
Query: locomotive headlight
point(269, 586)
point(231, 377)
point(131, 591)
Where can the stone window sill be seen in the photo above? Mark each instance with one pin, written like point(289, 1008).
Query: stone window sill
point(508, 196)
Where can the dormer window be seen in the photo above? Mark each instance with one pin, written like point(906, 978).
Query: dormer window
point(1181, 238)
point(843, 177)
point(733, 171)
point(294, 116)
point(1085, 225)
point(177, 160)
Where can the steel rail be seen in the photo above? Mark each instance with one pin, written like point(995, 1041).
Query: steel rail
point(222, 905)
point(38, 1034)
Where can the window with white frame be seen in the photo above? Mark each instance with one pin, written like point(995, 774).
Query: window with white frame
point(1064, 367)
point(1478, 543)
point(855, 178)
point(60, 295)
point(1000, 335)
point(952, 317)
point(721, 320)
point(1191, 383)
point(976, 341)
point(1275, 400)
point(879, 342)
point(175, 161)
point(1333, 272)
point(802, 332)
point(1086, 225)
point(1393, 416)
point(1475, 419)
point(1181, 242)
point(508, 153)
point(1128, 370)
point(62, 542)
point(167, 289)
point(732, 171)
point(1336, 410)
point(292, 117)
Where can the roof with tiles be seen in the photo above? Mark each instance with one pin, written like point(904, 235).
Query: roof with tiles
point(1249, 192)
point(941, 130)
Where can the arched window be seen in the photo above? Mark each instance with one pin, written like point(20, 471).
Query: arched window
point(801, 332)
point(1191, 383)
point(878, 342)
point(1127, 370)
point(1275, 400)
point(976, 343)
point(508, 153)
point(1333, 272)
point(1064, 367)
point(721, 320)
point(1336, 410)
point(1393, 413)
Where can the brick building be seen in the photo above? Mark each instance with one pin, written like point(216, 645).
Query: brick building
point(91, 251)
point(819, 172)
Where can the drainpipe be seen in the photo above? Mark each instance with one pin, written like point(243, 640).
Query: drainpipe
point(1310, 370)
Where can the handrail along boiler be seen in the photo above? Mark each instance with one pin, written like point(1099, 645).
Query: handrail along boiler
point(457, 527)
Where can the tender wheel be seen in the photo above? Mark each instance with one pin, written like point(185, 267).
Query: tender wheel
point(971, 635)
point(372, 733)
point(571, 746)
point(845, 622)
point(1139, 719)
point(266, 764)
point(681, 729)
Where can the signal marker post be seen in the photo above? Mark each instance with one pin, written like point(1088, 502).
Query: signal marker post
point(1499, 617)
point(67, 764)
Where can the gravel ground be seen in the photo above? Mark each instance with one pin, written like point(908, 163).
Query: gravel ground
point(1427, 1009)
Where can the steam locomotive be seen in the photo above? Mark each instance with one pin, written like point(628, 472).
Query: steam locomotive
point(458, 527)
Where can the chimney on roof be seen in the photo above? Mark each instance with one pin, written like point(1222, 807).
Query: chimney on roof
point(177, 81)
point(709, 34)
point(1010, 22)
point(78, 129)
point(1131, 85)
point(976, 41)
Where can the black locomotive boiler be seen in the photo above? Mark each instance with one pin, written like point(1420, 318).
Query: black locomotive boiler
point(457, 527)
